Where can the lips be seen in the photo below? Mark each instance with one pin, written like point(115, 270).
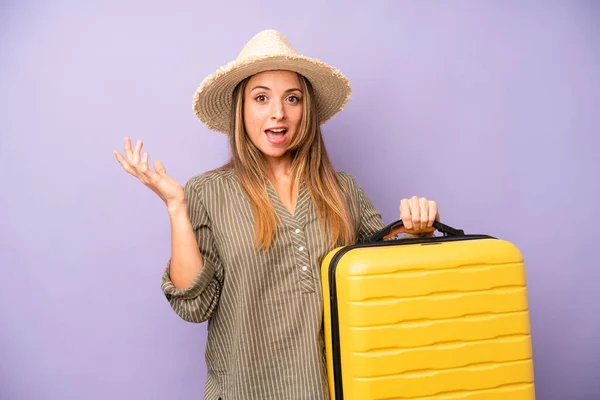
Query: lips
point(276, 135)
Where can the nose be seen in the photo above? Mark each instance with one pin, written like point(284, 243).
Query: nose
point(277, 110)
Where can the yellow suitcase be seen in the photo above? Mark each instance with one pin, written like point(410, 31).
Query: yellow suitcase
point(442, 318)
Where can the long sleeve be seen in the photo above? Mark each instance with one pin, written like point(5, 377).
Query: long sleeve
point(197, 302)
point(369, 219)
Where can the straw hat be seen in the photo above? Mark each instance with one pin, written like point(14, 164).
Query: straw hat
point(268, 50)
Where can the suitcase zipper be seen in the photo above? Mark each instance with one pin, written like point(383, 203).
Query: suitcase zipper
point(335, 331)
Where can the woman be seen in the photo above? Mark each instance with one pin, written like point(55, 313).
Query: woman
point(248, 238)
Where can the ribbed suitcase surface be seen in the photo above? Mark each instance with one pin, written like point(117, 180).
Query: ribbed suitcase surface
point(433, 319)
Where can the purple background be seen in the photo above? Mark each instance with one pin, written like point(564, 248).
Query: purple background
point(490, 108)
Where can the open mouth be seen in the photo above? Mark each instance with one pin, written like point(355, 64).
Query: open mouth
point(276, 136)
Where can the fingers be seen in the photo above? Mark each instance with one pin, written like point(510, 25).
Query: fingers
point(424, 208)
point(136, 152)
point(433, 212)
point(146, 173)
point(405, 214)
point(160, 169)
point(128, 151)
point(415, 212)
point(144, 160)
point(418, 213)
point(134, 164)
point(142, 165)
point(124, 163)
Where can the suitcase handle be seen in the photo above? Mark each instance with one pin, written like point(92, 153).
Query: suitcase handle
point(445, 229)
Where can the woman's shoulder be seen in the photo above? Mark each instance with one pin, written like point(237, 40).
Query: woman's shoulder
point(210, 180)
point(344, 176)
point(350, 185)
point(346, 180)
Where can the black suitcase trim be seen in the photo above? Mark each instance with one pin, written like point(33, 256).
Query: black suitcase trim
point(335, 330)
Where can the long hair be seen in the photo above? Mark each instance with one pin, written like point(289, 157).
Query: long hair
point(309, 161)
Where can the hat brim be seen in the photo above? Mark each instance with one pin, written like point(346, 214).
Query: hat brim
point(213, 99)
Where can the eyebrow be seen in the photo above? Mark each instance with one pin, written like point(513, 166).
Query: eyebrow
point(267, 88)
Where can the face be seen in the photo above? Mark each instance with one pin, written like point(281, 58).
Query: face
point(272, 110)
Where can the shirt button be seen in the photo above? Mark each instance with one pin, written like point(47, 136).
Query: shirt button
point(301, 248)
point(304, 268)
point(297, 230)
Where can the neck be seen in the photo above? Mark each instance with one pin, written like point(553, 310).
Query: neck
point(280, 167)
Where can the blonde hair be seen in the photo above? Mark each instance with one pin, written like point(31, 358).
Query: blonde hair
point(309, 161)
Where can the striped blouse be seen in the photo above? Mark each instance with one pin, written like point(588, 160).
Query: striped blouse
point(264, 310)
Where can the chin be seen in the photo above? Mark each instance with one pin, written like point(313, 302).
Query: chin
point(274, 153)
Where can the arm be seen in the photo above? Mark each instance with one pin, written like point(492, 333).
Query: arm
point(186, 260)
point(371, 221)
point(368, 218)
point(193, 278)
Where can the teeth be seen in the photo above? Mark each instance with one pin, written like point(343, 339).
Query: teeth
point(277, 130)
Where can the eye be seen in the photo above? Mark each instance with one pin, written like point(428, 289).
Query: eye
point(261, 98)
point(294, 99)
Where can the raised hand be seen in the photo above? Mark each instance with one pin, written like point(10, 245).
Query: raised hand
point(169, 190)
